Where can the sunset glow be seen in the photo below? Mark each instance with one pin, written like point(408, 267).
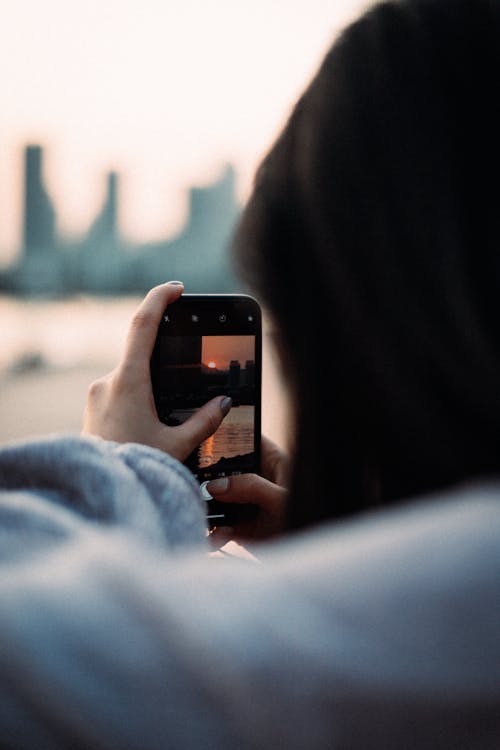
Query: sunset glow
point(219, 351)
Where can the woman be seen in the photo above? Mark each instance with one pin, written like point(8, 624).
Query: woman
point(377, 196)
point(371, 236)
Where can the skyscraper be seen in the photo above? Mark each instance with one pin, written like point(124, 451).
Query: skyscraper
point(250, 373)
point(105, 227)
point(233, 380)
point(103, 264)
point(39, 215)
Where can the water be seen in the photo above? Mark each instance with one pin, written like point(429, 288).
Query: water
point(81, 330)
point(234, 437)
point(77, 340)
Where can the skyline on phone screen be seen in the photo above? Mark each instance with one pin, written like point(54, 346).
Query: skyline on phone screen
point(194, 369)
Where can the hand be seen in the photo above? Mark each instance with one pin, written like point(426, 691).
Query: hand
point(120, 406)
point(267, 492)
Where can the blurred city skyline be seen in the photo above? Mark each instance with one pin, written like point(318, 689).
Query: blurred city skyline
point(102, 260)
point(162, 92)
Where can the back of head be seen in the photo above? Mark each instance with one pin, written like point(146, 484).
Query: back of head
point(372, 237)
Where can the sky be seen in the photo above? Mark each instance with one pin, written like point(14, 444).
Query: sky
point(164, 91)
point(222, 349)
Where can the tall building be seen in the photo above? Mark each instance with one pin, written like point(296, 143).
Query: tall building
point(208, 205)
point(39, 216)
point(105, 226)
point(233, 380)
point(250, 373)
point(199, 254)
point(103, 264)
point(103, 261)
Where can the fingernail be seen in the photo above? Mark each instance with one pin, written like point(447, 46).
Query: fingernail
point(176, 283)
point(226, 404)
point(218, 486)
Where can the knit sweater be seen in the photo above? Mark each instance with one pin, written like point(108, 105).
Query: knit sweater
point(117, 630)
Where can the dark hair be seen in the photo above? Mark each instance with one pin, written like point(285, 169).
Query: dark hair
point(372, 237)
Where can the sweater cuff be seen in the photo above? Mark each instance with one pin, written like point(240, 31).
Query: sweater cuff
point(130, 487)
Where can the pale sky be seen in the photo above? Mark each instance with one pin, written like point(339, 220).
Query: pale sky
point(165, 92)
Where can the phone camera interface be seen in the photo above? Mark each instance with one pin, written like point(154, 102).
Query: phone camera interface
point(191, 370)
point(207, 348)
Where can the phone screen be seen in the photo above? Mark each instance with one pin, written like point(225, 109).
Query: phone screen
point(210, 346)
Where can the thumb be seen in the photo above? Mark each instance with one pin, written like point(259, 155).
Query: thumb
point(204, 422)
point(248, 488)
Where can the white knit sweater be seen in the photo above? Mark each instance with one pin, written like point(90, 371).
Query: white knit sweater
point(118, 631)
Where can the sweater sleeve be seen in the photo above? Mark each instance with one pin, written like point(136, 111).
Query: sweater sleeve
point(63, 487)
point(382, 632)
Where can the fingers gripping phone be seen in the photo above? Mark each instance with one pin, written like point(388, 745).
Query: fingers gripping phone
point(211, 345)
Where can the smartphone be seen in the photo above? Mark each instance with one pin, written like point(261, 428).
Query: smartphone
point(211, 345)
